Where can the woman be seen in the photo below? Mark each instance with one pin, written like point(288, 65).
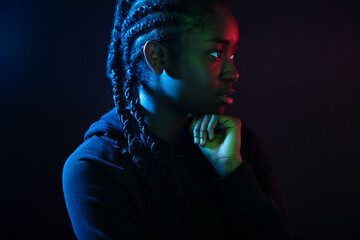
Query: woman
point(165, 162)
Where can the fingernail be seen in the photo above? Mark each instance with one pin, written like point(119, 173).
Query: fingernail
point(202, 142)
point(210, 136)
point(196, 140)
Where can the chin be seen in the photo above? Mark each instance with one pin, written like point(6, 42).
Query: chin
point(219, 110)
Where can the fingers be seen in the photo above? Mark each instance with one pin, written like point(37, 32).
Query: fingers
point(204, 129)
point(196, 130)
point(211, 126)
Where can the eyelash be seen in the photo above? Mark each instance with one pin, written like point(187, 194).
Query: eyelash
point(220, 52)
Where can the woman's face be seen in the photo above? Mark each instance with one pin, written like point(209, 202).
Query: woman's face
point(201, 81)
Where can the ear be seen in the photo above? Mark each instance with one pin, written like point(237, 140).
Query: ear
point(154, 54)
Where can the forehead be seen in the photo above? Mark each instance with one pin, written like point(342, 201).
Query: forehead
point(225, 24)
point(223, 29)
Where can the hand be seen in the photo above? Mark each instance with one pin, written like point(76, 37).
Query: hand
point(219, 139)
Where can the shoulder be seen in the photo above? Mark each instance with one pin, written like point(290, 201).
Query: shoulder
point(99, 186)
point(97, 159)
point(99, 150)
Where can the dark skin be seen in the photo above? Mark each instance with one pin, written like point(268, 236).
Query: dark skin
point(199, 85)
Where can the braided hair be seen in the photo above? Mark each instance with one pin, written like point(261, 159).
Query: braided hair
point(136, 22)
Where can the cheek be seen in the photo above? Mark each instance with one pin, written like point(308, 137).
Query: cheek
point(214, 71)
point(204, 75)
point(200, 88)
point(173, 88)
point(200, 83)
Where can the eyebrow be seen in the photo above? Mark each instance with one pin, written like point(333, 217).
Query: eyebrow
point(222, 41)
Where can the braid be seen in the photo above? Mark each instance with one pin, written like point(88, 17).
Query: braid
point(134, 138)
point(114, 63)
point(136, 22)
point(144, 10)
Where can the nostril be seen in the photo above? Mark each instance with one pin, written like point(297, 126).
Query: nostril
point(229, 80)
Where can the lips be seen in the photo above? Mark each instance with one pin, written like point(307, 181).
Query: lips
point(227, 92)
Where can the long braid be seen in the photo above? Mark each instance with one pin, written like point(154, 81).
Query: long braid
point(135, 23)
point(150, 22)
point(114, 63)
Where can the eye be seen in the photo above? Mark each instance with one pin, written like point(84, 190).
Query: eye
point(233, 55)
point(216, 54)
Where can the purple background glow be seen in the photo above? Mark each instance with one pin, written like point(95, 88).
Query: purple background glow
point(299, 65)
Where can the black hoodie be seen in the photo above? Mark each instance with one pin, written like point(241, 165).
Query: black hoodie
point(105, 199)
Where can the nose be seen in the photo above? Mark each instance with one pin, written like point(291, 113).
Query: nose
point(229, 73)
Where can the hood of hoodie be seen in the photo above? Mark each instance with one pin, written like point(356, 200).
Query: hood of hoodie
point(111, 129)
point(108, 126)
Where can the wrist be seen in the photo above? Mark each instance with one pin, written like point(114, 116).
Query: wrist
point(228, 165)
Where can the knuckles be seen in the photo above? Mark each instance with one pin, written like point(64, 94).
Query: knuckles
point(202, 129)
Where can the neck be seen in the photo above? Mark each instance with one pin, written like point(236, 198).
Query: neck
point(162, 118)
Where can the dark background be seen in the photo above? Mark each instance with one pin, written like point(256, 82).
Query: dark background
point(299, 65)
